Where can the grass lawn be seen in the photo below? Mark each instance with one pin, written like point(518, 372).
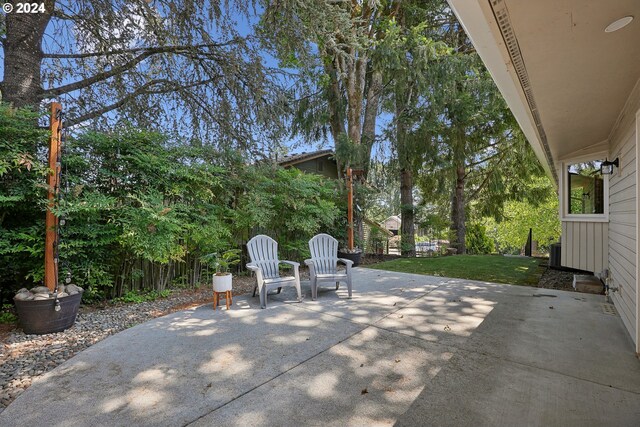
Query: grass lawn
point(487, 268)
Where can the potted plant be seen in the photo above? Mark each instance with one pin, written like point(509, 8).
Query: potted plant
point(222, 262)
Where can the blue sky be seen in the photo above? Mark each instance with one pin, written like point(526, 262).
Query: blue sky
point(243, 25)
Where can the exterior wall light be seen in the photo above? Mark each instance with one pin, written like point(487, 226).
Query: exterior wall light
point(607, 167)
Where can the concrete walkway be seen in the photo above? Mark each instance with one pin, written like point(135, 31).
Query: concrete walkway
point(406, 350)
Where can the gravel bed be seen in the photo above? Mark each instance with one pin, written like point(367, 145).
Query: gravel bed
point(25, 357)
point(557, 279)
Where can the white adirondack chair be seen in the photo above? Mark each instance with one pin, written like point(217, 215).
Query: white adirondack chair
point(263, 251)
point(323, 265)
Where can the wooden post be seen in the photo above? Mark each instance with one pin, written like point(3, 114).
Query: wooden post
point(350, 209)
point(51, 221)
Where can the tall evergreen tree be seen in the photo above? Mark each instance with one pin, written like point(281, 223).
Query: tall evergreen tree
point(170, 63)
point(406, 54)
point(483, 157)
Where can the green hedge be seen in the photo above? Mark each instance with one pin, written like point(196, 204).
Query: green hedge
point(140, 209)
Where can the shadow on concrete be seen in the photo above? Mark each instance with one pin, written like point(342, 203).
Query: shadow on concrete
point(405, 350)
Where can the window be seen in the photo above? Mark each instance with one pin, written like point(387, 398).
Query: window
point(585, 187)
point(320, 165)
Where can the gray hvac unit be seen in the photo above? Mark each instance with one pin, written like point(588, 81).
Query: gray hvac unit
point(555, 256)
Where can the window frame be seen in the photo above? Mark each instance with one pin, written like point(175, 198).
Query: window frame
point(564, 192)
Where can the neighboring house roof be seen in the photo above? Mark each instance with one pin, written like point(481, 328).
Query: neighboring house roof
point(393, 218)
point(377, 226)
point(303, 157)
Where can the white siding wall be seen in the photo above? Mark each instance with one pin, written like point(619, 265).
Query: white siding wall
point(623, 214)
point(584, 245)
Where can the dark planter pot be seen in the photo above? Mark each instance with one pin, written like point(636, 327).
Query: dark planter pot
point(40, 317)
point(355, 257)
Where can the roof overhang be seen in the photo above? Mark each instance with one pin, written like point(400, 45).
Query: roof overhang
point(295, 159)
point(565, 80)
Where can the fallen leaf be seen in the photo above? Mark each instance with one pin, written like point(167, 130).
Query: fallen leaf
point(397, 360)
point(361, 365)
point(551, 307)
point(364, 391)
point(401, 316)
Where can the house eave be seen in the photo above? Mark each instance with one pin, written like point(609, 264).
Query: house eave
point(492, 50)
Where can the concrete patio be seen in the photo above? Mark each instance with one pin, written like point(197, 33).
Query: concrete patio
point(406, 350)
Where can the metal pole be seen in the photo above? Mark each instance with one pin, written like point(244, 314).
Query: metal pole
point(51, 221)
point(350, 209)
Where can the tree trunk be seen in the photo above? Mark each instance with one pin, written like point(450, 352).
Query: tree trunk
point(336, 107)
point(355, 83)
point(374, 91)
point(407, 233)
point(458, 228)
point(407, 213)
point(22, 85)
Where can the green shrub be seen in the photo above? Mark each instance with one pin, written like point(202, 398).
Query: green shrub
point(137, 297)
point(138, 211)
point(8, 318)
point(23, 169)
point(6, 314)
point(477, 241)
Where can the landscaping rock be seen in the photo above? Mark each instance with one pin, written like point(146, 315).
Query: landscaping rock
point(40, 290)
point(24, 296)
point(73, 289)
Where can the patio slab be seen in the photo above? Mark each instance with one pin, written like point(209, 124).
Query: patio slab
point(370, 379)
point(478, 390)
point(554, 330)
point(406, 350)
point(173, 369)
point(376, 294)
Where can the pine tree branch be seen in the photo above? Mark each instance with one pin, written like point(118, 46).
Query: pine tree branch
point(82, 84)
point(147, 52)
point(151, 50)
point(474, 195)
point(494, 155)
point(166, 86)
point(499, 141)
